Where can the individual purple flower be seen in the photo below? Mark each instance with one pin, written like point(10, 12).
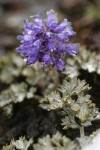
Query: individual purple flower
point(46, 41)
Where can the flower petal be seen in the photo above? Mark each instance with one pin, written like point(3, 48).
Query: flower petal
point(69, 31)
point(31, 60)
point(37, 44)
point(62, 37)
point(60, 65)
point(38, 21)
point(62, 26)
point(46, 58)
point(48, 35)
point(61, 47)
point(73, 49)
point(50, 45)
point(51, 20)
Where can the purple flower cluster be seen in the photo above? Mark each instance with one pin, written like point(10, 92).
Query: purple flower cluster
point(46, 41)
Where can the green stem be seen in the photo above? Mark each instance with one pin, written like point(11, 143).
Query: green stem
point(82, 131)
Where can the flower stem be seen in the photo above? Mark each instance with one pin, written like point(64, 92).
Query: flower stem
point(82, 131)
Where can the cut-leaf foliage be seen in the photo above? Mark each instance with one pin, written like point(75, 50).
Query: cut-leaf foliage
point(56, 142)
point(71, 97)
point(87, 60)
point(16, 93)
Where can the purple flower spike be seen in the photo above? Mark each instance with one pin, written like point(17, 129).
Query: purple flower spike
point(46, 41)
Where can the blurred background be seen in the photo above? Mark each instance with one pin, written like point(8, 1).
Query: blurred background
point(84, 15)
